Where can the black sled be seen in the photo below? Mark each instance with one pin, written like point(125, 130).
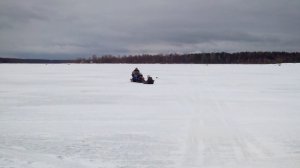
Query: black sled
point(149, 81)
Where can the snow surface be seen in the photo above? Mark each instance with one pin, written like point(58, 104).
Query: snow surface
point(91, 116)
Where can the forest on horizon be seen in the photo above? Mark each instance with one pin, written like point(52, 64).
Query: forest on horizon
point(195, 58)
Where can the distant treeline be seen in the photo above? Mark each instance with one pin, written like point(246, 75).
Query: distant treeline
point(34, 61)
point(197, 58)
point(200, 58)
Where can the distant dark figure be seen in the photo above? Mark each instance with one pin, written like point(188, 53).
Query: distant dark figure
point(135, 72)
point(149, 80)
point(137, 76)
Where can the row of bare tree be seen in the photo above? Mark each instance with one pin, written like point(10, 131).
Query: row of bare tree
point(200, 58)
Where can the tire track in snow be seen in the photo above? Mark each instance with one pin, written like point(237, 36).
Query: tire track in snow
point(246, 144)
point(33, 159)
point(194, 147)
point(214, 138)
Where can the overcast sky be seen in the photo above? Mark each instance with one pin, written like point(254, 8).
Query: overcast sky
point(79, 28)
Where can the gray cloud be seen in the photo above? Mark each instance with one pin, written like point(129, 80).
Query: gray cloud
point(74, 28)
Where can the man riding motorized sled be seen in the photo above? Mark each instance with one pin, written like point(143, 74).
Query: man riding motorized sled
point(138, 77)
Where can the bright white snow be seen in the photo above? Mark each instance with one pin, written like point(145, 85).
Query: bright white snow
point(76, 116)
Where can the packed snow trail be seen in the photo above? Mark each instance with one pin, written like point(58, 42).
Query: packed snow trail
point(193, 116)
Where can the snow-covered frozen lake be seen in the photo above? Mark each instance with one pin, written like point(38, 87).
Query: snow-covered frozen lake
point(77, 116)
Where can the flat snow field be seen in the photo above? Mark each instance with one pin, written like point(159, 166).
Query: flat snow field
point(91, 116)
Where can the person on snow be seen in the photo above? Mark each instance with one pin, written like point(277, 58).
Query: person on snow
point(136, 73)
point(137, 76)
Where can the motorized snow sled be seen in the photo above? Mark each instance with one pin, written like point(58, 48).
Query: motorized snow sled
point(138, 79)
point(141, 79)
point(137, 76)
